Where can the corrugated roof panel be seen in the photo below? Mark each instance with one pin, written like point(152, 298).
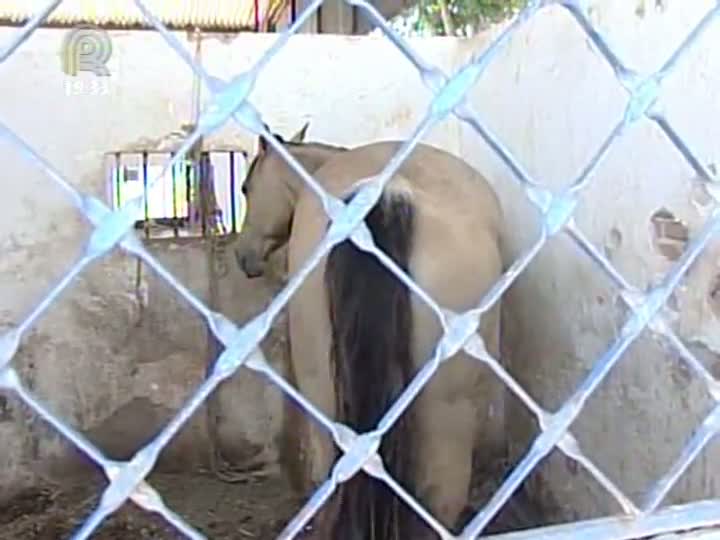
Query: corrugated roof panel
point(226, 14)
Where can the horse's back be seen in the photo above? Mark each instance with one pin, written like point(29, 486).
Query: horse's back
point(443, 187)
point(435, 174)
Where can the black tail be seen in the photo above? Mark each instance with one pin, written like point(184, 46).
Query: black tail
point(371, 321)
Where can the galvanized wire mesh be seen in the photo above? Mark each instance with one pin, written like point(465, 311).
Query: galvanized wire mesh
point(126, 480)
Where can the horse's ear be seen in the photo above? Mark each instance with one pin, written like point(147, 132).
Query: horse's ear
point(300, 135)
point(262, 145)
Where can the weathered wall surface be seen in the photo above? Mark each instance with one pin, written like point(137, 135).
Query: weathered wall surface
point(553, 102)
point(114, 359)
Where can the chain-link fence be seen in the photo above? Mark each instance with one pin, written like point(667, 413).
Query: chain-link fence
point(111, 229)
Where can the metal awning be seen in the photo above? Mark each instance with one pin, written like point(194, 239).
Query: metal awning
point(218, 15)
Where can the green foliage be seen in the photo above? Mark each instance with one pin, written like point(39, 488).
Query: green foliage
point(464, 17)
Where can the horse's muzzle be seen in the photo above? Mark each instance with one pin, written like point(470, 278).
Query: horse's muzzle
point(250, 264)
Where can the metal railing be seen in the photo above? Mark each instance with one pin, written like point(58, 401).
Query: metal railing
point(113, 229)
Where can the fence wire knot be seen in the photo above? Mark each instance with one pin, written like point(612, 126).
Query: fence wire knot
point(360, 451)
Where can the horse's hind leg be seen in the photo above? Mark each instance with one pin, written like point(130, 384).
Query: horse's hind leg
point(448, 413)
point(444, 453)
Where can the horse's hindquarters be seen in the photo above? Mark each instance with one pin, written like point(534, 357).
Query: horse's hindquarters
point(456, 265)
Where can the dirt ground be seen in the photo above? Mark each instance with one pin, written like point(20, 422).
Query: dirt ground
point(257, 509)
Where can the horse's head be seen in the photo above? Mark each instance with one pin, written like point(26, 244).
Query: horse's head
point(270, 190)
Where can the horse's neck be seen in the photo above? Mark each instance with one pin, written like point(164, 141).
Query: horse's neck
point(313, 155)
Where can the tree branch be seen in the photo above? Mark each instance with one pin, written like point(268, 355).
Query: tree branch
point(447, 20)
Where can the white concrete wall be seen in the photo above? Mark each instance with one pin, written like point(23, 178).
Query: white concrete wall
point(553, 101)
point(110, 366)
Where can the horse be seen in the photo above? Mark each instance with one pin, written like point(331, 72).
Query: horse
point(357, 335)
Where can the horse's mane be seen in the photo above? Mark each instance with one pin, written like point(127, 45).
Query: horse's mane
point(320, 145)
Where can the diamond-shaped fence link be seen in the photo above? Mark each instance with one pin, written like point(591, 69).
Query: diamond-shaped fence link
point(126, 480)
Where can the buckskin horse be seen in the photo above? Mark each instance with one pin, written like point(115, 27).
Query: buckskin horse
point(357, 334)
